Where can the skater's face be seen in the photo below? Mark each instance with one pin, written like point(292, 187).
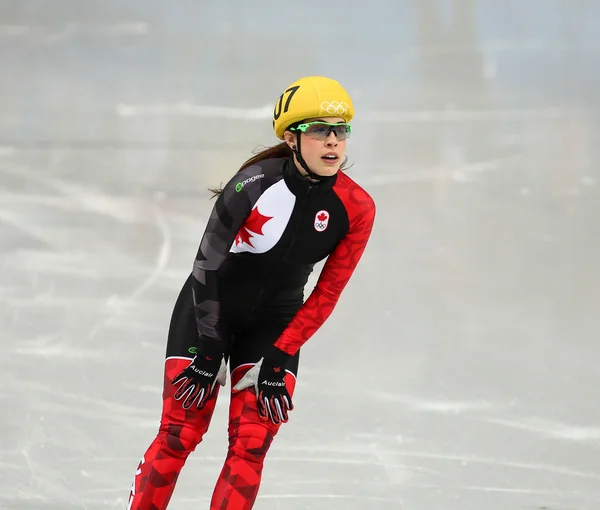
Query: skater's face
point(322, 145)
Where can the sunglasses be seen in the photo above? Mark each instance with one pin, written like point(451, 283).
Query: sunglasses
point(321, 130)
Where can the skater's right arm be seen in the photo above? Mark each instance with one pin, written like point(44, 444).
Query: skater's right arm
point(228, 214)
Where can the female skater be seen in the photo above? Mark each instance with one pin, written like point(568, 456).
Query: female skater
point(287, 208)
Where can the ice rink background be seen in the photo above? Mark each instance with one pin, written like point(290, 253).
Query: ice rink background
point(460, 370)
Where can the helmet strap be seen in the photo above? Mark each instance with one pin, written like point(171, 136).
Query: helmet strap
point(303, 164)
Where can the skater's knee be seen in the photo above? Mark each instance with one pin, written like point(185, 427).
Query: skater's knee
point(181, 440)
point(251, 441)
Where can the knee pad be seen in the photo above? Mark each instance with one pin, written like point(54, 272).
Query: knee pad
point(181, 440)
point(251, 441)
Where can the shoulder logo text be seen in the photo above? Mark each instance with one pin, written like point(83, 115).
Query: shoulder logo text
point(239, 186)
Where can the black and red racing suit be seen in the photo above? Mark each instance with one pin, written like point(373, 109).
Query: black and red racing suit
point(268, 228)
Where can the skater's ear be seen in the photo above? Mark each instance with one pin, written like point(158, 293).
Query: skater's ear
point(290, 139)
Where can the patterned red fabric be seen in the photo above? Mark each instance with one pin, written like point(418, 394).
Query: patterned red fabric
point(180, 432)
point(249, 442)
point(337, 270)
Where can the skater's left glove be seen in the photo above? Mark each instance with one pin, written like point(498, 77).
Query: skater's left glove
point(273, 398)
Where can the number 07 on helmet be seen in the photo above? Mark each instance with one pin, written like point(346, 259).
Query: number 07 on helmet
point(311, 97)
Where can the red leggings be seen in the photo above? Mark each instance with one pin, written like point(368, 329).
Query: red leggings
point(180, 432)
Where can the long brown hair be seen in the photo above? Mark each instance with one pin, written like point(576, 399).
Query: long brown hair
point(281, 150)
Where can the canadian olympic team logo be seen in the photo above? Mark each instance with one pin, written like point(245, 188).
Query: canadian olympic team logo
point(321, 221)
point(332, 107)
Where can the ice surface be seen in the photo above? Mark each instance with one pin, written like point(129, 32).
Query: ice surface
point(460, 369)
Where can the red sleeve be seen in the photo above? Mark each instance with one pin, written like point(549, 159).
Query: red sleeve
point(337, 270)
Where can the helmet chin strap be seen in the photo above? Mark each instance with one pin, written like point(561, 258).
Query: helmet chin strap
point(311, 174)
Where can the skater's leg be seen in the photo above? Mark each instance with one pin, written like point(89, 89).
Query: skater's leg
point(249, 440)
point(180, 432)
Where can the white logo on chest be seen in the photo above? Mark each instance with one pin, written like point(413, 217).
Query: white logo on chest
point(321, 221)
point(265, 225)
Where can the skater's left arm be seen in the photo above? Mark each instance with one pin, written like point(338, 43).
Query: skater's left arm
point(336, 273)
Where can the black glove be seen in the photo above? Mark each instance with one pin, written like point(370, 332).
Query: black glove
point(272, 396)
point(198, 380)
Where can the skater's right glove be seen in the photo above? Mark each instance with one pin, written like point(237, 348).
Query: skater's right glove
point(198, 380)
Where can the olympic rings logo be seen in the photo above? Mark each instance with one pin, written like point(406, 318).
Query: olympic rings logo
point(334, 107)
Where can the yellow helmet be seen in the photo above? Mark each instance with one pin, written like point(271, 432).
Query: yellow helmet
point(309, 97)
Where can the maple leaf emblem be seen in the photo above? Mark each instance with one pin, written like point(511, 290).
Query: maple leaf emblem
point(252, 226)
point(322, 217)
